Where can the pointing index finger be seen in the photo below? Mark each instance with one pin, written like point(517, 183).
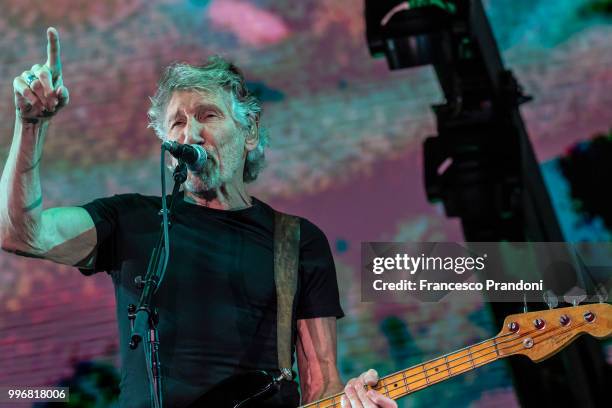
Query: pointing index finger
point(53, 52)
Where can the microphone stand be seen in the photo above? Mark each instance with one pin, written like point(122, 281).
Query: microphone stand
point(144, 317)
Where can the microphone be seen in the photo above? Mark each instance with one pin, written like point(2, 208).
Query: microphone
point(194, 156)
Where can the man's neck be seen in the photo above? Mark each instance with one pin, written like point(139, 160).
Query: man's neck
point(226, 197)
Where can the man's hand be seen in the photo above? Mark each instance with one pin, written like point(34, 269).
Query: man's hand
point(357, 396)
point(40, 92)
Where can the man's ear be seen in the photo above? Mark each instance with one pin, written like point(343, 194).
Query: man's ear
point(252, 137)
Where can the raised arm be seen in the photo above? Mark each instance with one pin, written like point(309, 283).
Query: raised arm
point(67, 234)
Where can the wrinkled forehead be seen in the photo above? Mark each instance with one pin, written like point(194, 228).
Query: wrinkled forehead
point(189, 99)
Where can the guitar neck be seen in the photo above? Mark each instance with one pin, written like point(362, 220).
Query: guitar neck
point(537, 335)
point(423, 375)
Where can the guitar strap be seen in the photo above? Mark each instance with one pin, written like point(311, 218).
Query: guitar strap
point(286, 262)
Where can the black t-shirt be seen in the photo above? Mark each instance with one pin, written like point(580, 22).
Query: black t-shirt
point(217, 303)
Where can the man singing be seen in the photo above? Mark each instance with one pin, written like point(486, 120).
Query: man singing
point(217, 303)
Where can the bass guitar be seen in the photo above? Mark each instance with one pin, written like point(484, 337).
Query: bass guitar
point(537, 335)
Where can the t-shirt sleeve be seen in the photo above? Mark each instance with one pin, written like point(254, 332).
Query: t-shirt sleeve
point(318, 287)
point(105, 214)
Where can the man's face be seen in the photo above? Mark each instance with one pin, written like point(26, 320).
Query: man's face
point(194, 117)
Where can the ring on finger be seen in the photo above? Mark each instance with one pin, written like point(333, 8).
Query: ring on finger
point(31, 78)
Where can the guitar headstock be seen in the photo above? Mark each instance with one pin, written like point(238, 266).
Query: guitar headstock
point(539, 335)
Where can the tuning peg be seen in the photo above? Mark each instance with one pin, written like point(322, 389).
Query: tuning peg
point(601, 293)
point(575, 295)
point(551, 299)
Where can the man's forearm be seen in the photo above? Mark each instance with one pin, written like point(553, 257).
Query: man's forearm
point(20, 191)
point(316, 356)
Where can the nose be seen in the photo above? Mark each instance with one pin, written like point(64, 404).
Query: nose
point(193, 132)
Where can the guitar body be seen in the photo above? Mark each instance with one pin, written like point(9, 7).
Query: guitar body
point(239, 391)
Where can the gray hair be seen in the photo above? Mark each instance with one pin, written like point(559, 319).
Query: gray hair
point(215, 76)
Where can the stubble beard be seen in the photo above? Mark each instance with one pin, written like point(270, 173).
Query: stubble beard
point(209, 179)
point(212, 176)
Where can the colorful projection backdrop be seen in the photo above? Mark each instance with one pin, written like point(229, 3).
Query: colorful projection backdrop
point(345, 152)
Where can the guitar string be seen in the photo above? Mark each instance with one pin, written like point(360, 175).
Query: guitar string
point(422, 364)
point(405, 378)
point(487, 359)
point(494, 346)
point(479, 364)
point(402, 371)
point(484, 356)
